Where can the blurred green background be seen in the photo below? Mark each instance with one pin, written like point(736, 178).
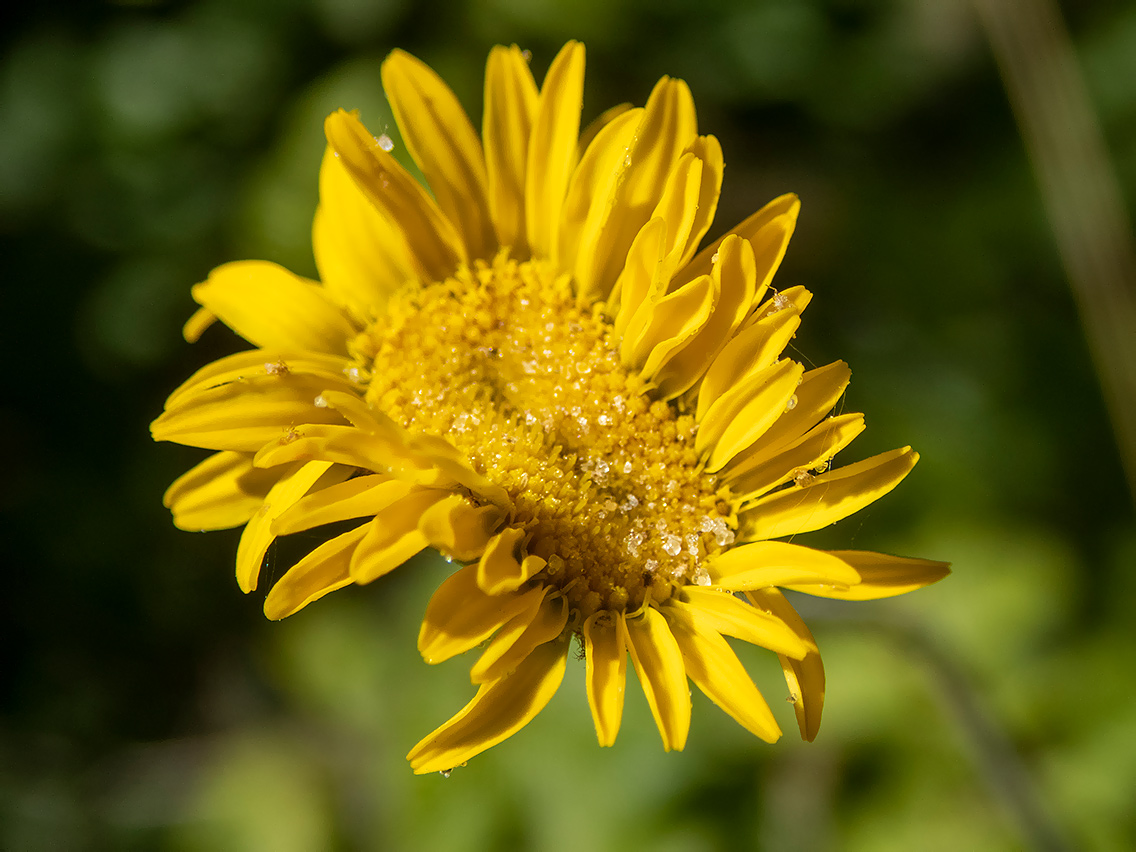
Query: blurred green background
point(146, 704)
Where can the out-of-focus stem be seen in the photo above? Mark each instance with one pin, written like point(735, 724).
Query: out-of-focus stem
point(1080, 190)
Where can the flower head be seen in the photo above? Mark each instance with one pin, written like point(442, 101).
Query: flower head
point(533, 369)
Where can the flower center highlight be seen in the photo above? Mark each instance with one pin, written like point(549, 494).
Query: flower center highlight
point(503, 362)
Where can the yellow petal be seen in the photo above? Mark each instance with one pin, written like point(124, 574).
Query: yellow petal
point(605, 655)
point(817, 394)
point(641, 276)
point(881, 576)
point(333, 372)
point(552, 148)
point(510, 647)
point(323, 570)
point(355, 498)
point(435, 247)
point(510, 109)
point(666, 131)
point(502, 568)
point(458, 528)
point(709, 151)
point(223, 491)
point(742, 414)
point(591, 198)
point(345, 445)
point(257, 536)
point(393, 536)
point(195, 326)
point(749, 479)
point(445, 146)
point(733, 278)
point(460, 616)
point(829, 498)
point(499, 710)
point(243, 415)
point(663, 326)
point(805, 677)
point(362, 258)
point(721, 612)
point(717, 671)
point(272, 308)
point(601, 121)
point(769, 249)
point(776, 563)
point(658, 662)
point(753, 348)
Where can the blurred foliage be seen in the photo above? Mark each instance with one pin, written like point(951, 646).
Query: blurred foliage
point(145, 704)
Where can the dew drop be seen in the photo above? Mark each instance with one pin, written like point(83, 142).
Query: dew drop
point(385, 142)
point(792, 403)
point(321, 401)
point(627, 467)
point(445, 773)
point(701, 576)
point(603, 420)
point(672, 545)
point(714, 259)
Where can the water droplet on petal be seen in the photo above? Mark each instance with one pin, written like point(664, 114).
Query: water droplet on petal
point(385, 142)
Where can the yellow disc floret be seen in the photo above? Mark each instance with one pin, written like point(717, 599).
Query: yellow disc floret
point(503, 362)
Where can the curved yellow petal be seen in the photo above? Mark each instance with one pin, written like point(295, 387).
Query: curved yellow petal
point(443, 143)
point(819, 391)
point(257, 535)
point(458, 528)
point(393, 536)
point(460, 616)
point(332, 371)
point(196, 325)
point(361, 257)
point(733, 278)
point(272, 308)
point(322, 571)
point(244, 415)
point(641, 276)
point(552, 148)
point(605, 656)
point(881, 576)
point(435, 247)
point(777, 563)
point(658, 662)
point(667, 129)
point(827, 498)
point(499, 710)
point(749, 479)
point(355, 498)
point(716, 670)
point(510, 110)
point(589, 133)
point(709, 152)
point(663, 326)
point(510, 647)
point(502, 568)
point(805, 678)
point(742, 414)
point(223, 491)
point(720, 611)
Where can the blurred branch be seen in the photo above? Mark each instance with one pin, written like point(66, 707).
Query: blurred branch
point(993, 752)
point(1080, 191)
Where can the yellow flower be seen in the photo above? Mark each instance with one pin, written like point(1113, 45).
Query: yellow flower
point(532, 369)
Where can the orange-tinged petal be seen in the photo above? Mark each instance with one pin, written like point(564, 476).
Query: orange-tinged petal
point(223, 491)
point(605, 655)
point(322, 571)
point(716, 670)
point(443, 143)
point(829, 498)
point(720, 611)
point(777, 563)
point(460, 616)
point(552, 148)
point(435, 247)
point(805, 677)
point(510, 647)
point(658, 662)
point(881, 576)
point(510, 110)
point(272, 308)
point(499, 710)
